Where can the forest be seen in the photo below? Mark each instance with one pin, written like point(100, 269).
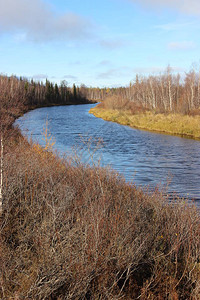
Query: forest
point(18, 95)
point(166, 92)
point(167, 103)
point(71, 231)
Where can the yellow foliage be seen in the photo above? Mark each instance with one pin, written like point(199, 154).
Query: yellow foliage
point(48, 139)
point(174, 124)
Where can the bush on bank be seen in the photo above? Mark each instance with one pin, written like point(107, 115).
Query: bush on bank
point(171, 123)
point(69, 231)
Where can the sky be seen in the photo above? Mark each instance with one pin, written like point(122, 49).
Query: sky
point(102, 43)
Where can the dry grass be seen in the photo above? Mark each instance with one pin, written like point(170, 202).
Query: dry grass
point(177, 124)
point(76, 232)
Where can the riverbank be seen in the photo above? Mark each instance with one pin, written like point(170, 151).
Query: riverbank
point(174, 124)
point(69, 231)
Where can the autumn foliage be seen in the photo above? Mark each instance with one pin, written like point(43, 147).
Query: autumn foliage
point(72, 231)
point(69, 231)
point(166, 92)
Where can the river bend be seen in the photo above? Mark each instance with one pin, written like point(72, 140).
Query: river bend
point(143, 157)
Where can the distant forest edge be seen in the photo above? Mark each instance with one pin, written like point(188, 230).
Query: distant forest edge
point(18, 95)
point(166, 92)
point(163, 103)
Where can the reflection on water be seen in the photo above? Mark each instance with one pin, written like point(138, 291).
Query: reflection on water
point(144, 157)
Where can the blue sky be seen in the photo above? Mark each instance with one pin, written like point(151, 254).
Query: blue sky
point(99, 42)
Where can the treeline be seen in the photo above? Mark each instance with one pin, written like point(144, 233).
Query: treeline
point(18, 94)
point(166, 92)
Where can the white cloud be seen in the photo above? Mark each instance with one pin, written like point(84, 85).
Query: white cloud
point(112, 44)
point(184, 45)
point(75, 63)
point(108, 74)
point(71, 77)
point(37, 21)
point(104, 63)
point(155, 70)
point(144, 70)
point(174, 26)
point(191, 7)
point(115, 72)
point(39, 76)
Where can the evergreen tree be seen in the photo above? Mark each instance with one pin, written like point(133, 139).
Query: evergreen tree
point(57, 94)
point(48, 91)
point(74, 92)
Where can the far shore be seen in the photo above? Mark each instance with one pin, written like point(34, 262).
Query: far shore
point(173, 124)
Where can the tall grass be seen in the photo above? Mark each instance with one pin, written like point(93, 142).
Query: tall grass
point(77, 232)
point(127, 113)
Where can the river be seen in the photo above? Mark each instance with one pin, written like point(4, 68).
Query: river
point(146, 158)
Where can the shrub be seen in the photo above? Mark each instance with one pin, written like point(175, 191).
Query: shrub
point(76, 232)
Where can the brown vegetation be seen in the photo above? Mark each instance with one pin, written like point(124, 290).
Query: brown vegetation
point(162, 93)
point(162, 103)
point(19, 94)
point(73, 232)
point(138, 117)
point(69, 231)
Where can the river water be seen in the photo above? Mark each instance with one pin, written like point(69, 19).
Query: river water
point(147, 159)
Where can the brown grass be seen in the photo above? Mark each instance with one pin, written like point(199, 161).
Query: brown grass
point(69, 231)
point(138, 117)
point(74, 232)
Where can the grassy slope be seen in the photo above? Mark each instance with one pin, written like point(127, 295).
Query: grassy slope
point(175, 124)
point(74, 232)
